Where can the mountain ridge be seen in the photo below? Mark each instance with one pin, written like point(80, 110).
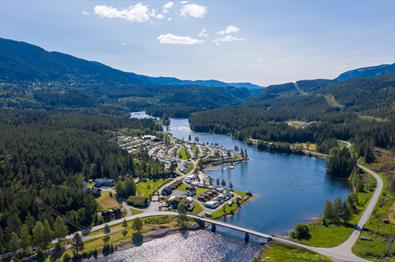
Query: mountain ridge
point(47, 62)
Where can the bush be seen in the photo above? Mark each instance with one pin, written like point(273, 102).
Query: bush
point(301, 231)
point(66, 258)
point(137, 201)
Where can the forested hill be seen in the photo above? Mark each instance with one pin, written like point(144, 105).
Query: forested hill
point(366, 72)
point(31, 77)
point(20, 61)
point(357, 109)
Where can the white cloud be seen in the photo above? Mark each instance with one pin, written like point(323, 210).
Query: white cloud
point(226, 35)
point(230, 29)
point(227, 38)
point(168, 5)
point(135, 13)
point(160, 16)
point(194, 10)
point(85, 13)
point(184, 2)
point(203, 33)
point(178, 40)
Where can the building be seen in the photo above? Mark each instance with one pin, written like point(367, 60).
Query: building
point(191, 191)
point(211, 204)
point(104, 182)
point(167, 191)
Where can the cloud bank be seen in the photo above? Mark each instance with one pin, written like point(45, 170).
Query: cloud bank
point(171, 39)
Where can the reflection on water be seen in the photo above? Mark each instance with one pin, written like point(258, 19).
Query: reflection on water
point(196, 246)
point(288, 190)
point(141, 115)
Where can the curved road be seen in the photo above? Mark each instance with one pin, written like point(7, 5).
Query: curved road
point(343, 252)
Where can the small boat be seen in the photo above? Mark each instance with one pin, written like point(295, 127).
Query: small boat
point(231, 166)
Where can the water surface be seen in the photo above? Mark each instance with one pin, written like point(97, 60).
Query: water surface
point(289, 189)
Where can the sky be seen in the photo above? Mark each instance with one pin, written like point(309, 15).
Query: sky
point(264, 42)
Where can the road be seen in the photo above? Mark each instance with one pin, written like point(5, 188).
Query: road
point(343, 252)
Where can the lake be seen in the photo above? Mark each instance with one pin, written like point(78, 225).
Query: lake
point(288, 189)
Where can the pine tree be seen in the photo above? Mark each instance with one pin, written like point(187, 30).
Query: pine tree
point(14, 243)
point(77, 243)
point(60, 229)
point(347, 211)
point(25, 237)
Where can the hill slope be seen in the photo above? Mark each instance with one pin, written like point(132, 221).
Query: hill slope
point(33, 77)
point(20, 61)
point(366, 72)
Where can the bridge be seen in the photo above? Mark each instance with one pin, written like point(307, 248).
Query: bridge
point(247, 231)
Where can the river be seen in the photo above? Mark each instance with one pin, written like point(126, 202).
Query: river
point(289, 189)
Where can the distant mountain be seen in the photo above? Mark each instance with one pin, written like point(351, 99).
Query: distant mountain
point(367, 72)
point(31, 77)
point(20, 61)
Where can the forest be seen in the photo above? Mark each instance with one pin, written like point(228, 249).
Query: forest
point(45, 156)
point(360, 110)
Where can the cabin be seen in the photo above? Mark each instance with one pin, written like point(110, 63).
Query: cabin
point(167, 191)
point(104, 182)
point(211, 204)
point(191, 191)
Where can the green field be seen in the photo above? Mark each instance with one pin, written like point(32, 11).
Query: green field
point(182, 153)
point(280, 253)
point(106, 201)
point(227, 211)
point(147, 188)
point(381, 246)
point(327, 236)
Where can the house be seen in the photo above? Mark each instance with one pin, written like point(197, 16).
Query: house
point(96, 192)
point(190, 204)
point(191, 191)
point(173, 202)
point(211, 204)
point(167, 191)
point(104, 182)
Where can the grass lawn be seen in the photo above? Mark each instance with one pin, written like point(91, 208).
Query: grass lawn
point(375, 249)
point(182, 153)
point(280, 253)
point(381, 247)
point(106, 202)
point(306, 146)
point(147, 188)
point(333, 235)
point(327, 236)
point(197, 208)
point(199, 190)
point(221, 212)
point(190, 167)
point(136, 211)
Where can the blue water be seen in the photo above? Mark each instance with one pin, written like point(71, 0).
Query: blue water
point(289, 189)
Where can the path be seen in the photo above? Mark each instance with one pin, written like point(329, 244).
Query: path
point(342, 252)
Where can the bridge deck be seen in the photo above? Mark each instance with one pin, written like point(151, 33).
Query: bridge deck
point(234, 227)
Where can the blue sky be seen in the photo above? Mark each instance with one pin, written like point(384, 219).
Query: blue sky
point(264, 42)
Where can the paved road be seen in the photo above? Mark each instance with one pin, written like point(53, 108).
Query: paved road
point(342, 252)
